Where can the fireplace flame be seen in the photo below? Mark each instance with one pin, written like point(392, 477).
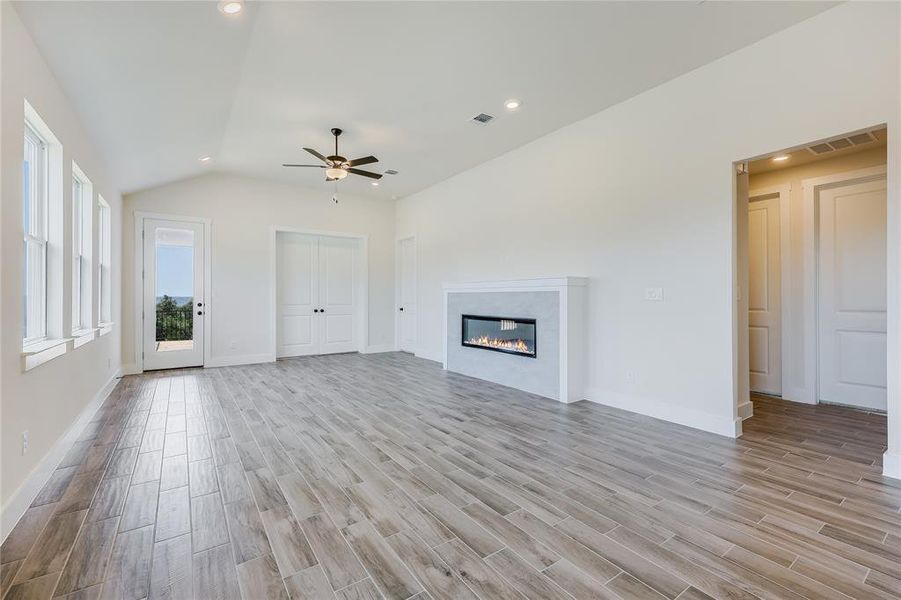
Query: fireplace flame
point(490, 342)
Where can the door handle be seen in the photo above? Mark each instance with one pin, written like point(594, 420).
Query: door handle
point(401, 309)
point(322, 310)
point(199, 312)
point(315, 310)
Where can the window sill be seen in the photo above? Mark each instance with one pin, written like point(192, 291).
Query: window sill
point(83, 336)
point(105, 328)
point(37, 353)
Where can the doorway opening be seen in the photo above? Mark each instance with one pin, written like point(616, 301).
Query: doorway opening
point(812, 273)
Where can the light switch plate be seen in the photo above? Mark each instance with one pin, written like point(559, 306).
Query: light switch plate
point(653, 294)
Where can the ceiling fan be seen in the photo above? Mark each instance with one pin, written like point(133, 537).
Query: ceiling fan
point(337, 167)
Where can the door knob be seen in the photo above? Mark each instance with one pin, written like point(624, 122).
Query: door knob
point(322, 310)
point(199, 312)
point(401, 309)
point(315, 310)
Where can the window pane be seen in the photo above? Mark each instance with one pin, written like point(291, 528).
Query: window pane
point(34, 289)
point(34, 201)
point(174, 289)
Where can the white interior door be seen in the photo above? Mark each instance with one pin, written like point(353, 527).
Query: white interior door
point(338, 258)
point(764, 296)
point(407, 295)
point(297, 289)
point(173, 294)
point(852, 295)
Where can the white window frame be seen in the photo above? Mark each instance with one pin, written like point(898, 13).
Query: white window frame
point(104, 268)
point(82, 230)
point(35, 238)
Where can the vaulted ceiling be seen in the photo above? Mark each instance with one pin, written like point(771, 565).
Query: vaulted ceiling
point(160, 84)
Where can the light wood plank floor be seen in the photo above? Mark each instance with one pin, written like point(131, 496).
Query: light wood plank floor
point(367, 476)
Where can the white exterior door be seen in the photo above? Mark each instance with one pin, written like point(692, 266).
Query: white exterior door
point(337, 294)
point(317, 295)
point(297, 289)
point(852, 295)
point(406, 293)
point(764, 296)
point(173, 294)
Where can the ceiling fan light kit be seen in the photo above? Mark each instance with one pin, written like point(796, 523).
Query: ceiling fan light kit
point(337, 167)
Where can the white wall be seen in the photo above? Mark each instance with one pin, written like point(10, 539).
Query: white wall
point(48, 399)
point(243, 211)
point(641, 195)
point(794, 380)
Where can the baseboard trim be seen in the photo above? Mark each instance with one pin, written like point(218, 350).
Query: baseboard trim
point(379, 348)
point(745, 410)
point(705, 421)
point(22, 498)
point(234, 361)
point(891, 465)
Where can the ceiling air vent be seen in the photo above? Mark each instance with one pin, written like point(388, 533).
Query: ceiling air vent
point(862, 138)
point(482, 118)
point(843, 142)
point(821, 148)
point(390, 172)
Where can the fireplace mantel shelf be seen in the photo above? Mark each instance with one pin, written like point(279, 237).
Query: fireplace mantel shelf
point(517, 284)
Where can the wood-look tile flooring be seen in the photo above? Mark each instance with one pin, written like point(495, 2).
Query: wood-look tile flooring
point(367, 476)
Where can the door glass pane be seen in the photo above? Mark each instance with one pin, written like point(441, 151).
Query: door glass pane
point(174, 289)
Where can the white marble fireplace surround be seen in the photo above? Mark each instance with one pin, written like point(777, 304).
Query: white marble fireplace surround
point(559, 306)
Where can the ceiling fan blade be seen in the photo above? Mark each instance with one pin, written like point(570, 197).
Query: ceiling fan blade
point(358, 162)
point(314, 166)
point(369, 174)
point(316, 154)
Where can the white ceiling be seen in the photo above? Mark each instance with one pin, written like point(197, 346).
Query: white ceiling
point(160, 84)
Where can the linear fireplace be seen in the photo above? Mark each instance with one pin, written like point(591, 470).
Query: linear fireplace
point(500, 334)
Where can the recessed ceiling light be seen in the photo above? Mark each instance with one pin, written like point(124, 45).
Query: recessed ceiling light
point(781, 158)
point(231, 7)
point(205, 159)
point(512, 104)
point(375, 183)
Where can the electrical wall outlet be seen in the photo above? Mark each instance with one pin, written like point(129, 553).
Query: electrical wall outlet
point(653, 294)
point(24, 442)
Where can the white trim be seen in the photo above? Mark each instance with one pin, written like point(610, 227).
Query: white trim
point(22, 498)
point(362, 283)
point(379, 348)
point(668, 410)
point(130, 369)
point(567, 326)
point(232, 361)
point(810, 189)
point(784, 194)
point(746, 410)
point(139, 217)
point(891, 464)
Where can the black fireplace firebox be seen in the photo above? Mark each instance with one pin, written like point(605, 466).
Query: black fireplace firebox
point(500, 334)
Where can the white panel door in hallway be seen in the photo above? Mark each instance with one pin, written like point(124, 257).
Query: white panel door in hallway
point(317, 294)
point(173, 294)
point(852, 295)
point(406, 293)
point(764, 295)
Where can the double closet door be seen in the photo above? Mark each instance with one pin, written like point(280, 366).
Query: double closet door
point(317, 294)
